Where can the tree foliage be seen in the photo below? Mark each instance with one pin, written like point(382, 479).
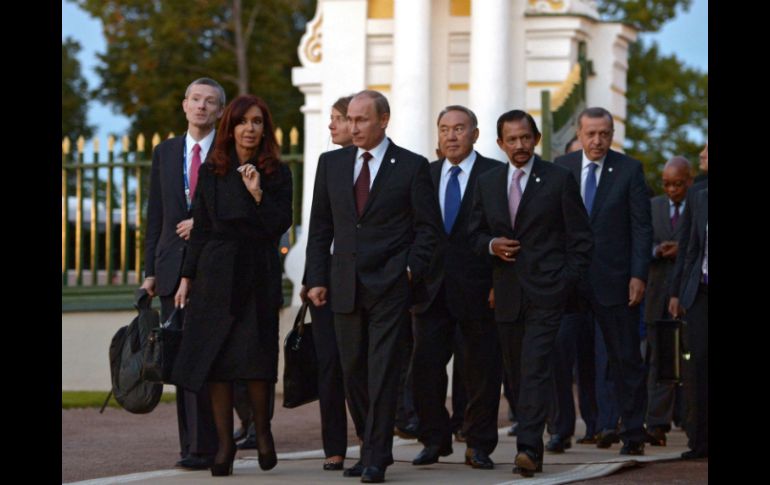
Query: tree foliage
point(667, 100)
point(156, 48)
point(74, 93)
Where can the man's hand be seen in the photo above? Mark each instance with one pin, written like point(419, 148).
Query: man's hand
point(317, 295)
point(635, 291)
point(675, 309)
point(491, 298)
point(303, 294)
point(184, 227)
point(506, 249)
point(149, 285)
point(669, 249)
point(180, 299)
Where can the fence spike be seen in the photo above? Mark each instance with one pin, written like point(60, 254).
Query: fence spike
point(65, 145)
point(155, 139)
point(140, 142)
point(124, 143)
point(170, 135)
point(96, 145)
point(294, 136)
point(110, 143)
point(81, 144)
point(279, 136)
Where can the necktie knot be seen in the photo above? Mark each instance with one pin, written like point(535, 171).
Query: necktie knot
point(367, 156)
point(196, 149)
point(455, 171)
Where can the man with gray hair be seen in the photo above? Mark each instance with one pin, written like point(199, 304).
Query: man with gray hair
point(173, 181)
point(458, 286)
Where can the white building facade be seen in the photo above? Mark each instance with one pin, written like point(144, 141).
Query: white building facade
point(489, 55)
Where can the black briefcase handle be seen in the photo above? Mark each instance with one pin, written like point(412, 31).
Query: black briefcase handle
point(299, 324)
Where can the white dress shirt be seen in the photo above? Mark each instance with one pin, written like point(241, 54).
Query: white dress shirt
point(584, 173)
point(205, 145)
point(462, 178)
point(377, 153)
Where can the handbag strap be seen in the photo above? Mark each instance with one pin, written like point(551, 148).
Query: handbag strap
point(299, 322)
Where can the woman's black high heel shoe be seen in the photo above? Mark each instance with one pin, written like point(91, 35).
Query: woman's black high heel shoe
point(267, 461)
point(226, 468)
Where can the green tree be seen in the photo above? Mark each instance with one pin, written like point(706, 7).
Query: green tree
point(74, 93)
point(667, 101)
point(154, 50)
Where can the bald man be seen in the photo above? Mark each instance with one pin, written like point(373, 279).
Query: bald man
point(667, 211)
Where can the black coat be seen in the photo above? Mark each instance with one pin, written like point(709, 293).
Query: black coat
point(552, 227)
point(398, 228)
point(232, 255)
point(465, 276)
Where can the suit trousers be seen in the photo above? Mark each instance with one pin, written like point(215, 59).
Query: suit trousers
point(370, 353)
point(661, 396)
point(435, 337)
point(607, 408)
point(197, 433)
point(331, 387)
point(619, 326)
point(698, 341)
point(575, 348)
point(459, 396)
point(540, 326)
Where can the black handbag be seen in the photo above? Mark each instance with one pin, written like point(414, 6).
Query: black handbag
point(300, 370)
point(161, 349)
point(131, 390)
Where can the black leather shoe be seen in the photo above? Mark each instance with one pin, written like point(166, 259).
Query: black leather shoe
point(656, 437)
point(334, 465)
point(373, 474)
point(512, 429)
point(407, 433)
point(605, 439)
point(588, 439)
point(459, 436)
point(478, 459)
point(430, 454)
point(195, 462)
point(269, 459)
point(632, 448)
point(354, 471)
point(527, 463)
point(694, 454)
point(557, 444)
point(226, 468)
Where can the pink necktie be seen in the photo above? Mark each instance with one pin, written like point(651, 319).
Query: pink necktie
point(514, 194)
point(194, 165)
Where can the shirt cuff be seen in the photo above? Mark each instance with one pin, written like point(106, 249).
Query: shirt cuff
point(490, 246)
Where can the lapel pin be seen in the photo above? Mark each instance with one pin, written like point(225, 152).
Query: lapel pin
point(392, 160)
point(609, 169)
point(537, 179)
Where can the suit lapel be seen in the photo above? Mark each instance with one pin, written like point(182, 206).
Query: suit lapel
point(575, 165)
point(386, 167)
point(663, 216)
point(435, 175)
point(500, 193)
point(176, 172)
point(609, 170)
point(534, 182)
point(347, 163)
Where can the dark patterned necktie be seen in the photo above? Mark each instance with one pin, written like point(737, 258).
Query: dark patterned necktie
point(361, 187)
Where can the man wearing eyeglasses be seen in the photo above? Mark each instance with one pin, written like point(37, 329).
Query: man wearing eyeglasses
point(667, 218)
point(615, 195)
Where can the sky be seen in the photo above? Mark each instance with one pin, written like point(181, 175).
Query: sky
point(686, 36)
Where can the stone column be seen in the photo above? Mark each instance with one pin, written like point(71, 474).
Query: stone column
point(490, 69)
point(410, 89)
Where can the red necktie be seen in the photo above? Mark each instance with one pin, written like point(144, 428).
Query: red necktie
point(194, 165)
point(361, 187)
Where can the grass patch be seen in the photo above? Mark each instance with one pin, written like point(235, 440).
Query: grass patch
point(95, 399)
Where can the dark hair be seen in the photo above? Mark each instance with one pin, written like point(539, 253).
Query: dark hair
point(342, 104)
point(515, 115)
point(596, 112)
point(208, 82)
point(381, 105)
point(268, 151)
point(569, 144)
point(457, 107)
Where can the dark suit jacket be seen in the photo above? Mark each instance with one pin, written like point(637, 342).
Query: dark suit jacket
point(163, 248)
point(622, 226)
point(684, 235)
point(398, 227)
point(693, 258)
point(466, 276)
point(552, 227)
point(659, 278)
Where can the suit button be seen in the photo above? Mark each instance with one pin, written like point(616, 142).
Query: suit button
point(358, 226)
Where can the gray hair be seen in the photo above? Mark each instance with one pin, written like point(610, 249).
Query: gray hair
point(457, 107)
point(208, 82)
point(380, 101)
